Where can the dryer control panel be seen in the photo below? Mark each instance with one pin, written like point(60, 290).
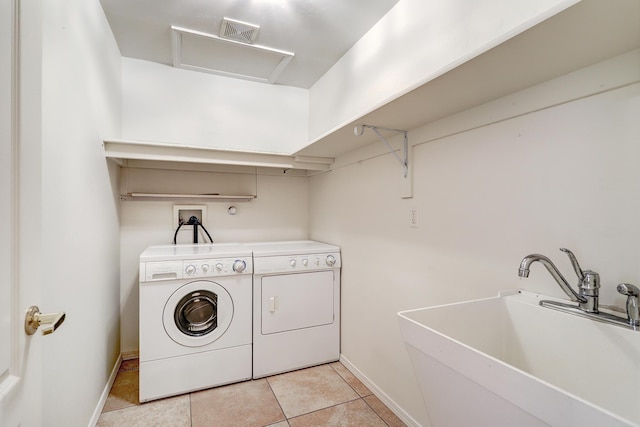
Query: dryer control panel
point(293, 263)
point(184, 269)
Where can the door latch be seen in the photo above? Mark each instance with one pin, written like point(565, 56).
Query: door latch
point(50, 322)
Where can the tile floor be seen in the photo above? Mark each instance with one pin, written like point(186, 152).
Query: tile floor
point(325, 395)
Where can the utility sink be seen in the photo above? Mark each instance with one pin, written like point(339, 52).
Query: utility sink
point(506, 361)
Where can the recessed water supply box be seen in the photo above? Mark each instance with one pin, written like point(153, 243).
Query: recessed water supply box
point(182, 213)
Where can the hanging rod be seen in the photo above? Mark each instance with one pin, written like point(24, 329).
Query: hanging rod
point(359, 130)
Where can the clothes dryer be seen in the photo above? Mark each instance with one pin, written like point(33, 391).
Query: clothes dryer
point(296, 305)
point(195, 318)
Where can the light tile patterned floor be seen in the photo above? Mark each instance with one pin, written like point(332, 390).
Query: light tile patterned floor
point(325, 395)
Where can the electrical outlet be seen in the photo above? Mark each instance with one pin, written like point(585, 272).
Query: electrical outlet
point(413, 218)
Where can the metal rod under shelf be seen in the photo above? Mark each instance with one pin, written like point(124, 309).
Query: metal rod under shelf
point(183, 197)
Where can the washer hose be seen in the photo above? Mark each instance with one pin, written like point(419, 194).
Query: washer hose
point(195, 222)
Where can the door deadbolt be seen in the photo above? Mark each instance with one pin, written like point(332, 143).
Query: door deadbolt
point(50, 322)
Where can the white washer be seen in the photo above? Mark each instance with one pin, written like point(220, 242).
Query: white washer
point(296, 305)
point(195, 318)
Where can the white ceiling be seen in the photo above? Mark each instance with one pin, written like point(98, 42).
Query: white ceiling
point(318, 32)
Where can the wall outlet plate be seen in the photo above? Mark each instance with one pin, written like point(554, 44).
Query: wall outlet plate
point(413, 217)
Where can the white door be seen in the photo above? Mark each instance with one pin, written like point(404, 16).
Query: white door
point(20, 370)
point(9, 378)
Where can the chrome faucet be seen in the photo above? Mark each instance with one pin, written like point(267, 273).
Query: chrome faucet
point(587, 295)
point(588, 280)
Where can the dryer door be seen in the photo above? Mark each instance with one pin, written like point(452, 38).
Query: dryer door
point(198, 313)
point(296, 301)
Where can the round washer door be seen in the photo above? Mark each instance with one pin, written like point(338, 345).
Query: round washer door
point(198, 313)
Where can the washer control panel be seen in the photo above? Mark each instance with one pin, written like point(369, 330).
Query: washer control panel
point(184, 269)
point(292, 263)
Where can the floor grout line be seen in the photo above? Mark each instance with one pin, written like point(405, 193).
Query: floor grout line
point(277, 400)
point(344, 379)
point(375, 412)
point(328, 407)
point(190, 411)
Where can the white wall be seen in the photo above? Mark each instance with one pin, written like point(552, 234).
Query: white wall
point(488, 193)
point(166, 104)
point(79, 208)
point(414, 43)
point(280, 212)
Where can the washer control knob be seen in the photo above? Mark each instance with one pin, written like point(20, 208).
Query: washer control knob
point(239, 266)
point(292, 263)
point(190, 269)
point(305, 262)
point(331, 260)
point(317, 261)
point(205, 268)
point(219, 267)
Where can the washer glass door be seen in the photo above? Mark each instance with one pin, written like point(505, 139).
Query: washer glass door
point(198, 313)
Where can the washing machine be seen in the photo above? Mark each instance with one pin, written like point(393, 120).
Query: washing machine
point(195, 318)
point(296, 305)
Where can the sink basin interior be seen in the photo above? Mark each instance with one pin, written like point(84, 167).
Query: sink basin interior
point(593, 361)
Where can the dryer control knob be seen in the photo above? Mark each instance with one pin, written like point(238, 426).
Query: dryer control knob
point(190, 269)
point(292, 263)
point(219, 267)
point(331, 260)
point(239, 266)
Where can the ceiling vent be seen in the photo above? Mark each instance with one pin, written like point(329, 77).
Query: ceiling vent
point(239, 31)
point(209, 53)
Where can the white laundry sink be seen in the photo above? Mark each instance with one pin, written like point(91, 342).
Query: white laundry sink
point(506, 361)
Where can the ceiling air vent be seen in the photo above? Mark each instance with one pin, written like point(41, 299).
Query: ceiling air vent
point(209, 53)
point(239, 31)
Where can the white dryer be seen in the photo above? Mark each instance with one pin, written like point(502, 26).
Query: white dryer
point(195, 318)
point(296, 303)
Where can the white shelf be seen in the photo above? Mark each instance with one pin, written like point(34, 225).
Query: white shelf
point(122, 151)
point(584, 34)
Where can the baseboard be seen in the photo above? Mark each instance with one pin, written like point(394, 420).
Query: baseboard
point(393, 406)
point(130, 355)
point(105, 392)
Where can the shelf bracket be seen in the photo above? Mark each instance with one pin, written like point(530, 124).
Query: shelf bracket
point(359, 130)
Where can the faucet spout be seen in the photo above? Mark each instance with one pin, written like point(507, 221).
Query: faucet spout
point(523, 271)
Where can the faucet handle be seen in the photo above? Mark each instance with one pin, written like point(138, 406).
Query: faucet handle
point(574, 263)
point(633, 309)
